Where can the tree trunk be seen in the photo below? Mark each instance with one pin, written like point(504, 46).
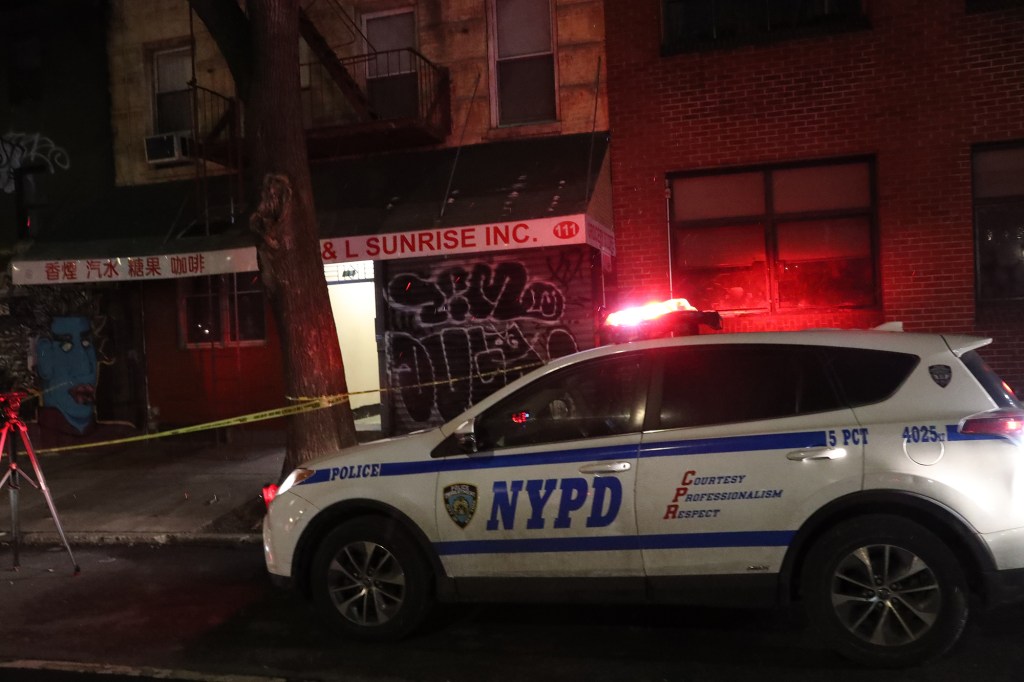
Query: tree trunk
point(285, 220)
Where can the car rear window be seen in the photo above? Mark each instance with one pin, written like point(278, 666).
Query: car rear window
point(996, 387)
point(868, 376)
point(730, 383)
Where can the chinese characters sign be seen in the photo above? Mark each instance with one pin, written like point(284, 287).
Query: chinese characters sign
point(166, 266)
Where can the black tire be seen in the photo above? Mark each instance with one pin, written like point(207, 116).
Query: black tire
point(885, 591)
point(370, 580)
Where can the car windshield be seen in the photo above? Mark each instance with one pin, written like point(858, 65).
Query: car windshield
point(997, 389)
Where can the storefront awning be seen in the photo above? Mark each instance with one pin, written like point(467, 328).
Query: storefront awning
point(497, 196)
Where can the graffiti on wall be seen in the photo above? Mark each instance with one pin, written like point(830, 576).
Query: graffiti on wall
point(21, 150)
point(459, 333)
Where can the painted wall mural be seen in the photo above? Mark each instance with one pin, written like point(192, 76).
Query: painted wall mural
point(19, 150)
point(458, 331)
point(54, 345)
point(66, 363)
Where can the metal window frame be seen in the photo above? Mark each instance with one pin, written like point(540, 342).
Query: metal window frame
point(493, 60)
point(227, 290)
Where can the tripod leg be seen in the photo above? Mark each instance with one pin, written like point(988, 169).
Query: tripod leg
point(23, 432)
point(13, 488)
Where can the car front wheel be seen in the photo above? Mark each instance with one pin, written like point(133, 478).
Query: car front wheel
point(370, 580)
point(885, 591)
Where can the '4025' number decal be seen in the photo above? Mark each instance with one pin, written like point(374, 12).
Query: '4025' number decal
point(922, 434)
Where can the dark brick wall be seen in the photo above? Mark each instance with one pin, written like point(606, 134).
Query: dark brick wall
point(916, 90)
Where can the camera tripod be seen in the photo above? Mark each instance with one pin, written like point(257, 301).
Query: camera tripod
point(9, 405)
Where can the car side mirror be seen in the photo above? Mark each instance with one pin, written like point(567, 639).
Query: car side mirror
point(465, 437)
point(462, 441)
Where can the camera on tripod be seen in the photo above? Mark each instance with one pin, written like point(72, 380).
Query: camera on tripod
point(12, 426)
point(10, 403)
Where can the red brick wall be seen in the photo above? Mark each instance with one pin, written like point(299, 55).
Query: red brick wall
point(916, 90)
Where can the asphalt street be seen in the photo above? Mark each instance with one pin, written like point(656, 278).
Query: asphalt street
point(196, 612)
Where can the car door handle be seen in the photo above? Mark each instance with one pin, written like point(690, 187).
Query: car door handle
point(605, 468)
point(816, 453)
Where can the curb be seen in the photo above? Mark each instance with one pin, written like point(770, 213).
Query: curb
point(100, 538)
point(131, 671)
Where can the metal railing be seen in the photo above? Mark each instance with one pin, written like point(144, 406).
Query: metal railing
point(398, 84)
point(216, 118)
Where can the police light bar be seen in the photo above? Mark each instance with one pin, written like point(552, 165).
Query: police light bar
point(660, 319)
point(269, 493)
point(629, 317)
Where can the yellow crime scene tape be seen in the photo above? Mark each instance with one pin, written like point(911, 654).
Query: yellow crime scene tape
point(301, 404)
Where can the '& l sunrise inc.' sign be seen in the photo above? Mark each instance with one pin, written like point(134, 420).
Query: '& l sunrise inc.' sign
point(524, 234)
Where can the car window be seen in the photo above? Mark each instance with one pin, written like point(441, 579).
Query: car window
point(728, 383)
point(997, 389)
point(600, 397)
point(868, 376)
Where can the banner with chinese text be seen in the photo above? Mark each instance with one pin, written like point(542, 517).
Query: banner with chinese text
point(128, 268)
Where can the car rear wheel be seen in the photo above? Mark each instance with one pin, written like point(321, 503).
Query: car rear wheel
point(885, 591)
point(370, 580)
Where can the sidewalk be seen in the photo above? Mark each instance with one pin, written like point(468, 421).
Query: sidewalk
point(153, 492)
point(160, 491)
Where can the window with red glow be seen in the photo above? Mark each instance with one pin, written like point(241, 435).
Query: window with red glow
point(776, 238)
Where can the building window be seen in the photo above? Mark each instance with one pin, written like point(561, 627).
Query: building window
point(972, 6)
point(392, 84)
point(523, 62)
point(24, 71)
point(999, 221)
point(305, 63)
point(693, 24)
point(172, 71)
point(222, 310)
point(774, 239)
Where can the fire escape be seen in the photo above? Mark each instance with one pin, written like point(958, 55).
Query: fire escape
point(361, 103)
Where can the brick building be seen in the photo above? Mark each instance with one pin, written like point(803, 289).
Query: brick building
point(815, 164)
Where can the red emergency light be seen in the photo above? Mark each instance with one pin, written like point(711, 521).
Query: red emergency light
point(659, 319)
point(269, 493)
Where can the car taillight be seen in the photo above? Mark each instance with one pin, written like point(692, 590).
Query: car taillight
point(1007, 422)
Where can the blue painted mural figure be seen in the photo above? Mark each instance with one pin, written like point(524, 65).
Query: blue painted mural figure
point(66, 363)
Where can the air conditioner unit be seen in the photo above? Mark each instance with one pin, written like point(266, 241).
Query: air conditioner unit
point(168, 148)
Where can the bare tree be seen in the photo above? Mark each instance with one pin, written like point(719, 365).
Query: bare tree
point(262, 52)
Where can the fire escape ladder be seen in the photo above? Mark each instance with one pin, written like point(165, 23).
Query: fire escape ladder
point(216, 137)
point(339, 74)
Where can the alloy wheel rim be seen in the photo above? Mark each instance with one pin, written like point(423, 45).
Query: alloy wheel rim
point(886, 595)
point(366, 583)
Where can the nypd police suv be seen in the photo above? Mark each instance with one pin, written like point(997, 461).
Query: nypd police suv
point(875, 476)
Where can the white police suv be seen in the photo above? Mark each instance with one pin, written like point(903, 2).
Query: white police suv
point(876, 476)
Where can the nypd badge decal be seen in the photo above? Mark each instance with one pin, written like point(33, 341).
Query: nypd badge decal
point(941, 374)
point(460, 501)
